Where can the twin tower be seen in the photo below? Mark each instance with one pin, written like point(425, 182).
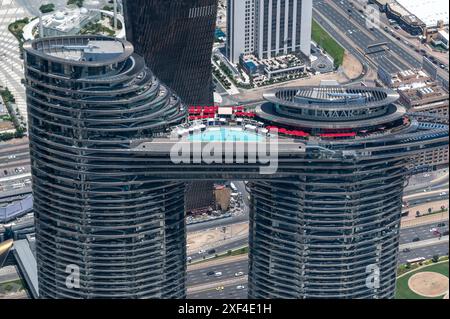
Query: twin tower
point(109, 201)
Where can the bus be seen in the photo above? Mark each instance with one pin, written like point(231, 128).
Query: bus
point(416, 260)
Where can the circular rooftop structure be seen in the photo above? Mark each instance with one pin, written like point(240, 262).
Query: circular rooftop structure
point(87, 50)
point(331, 107)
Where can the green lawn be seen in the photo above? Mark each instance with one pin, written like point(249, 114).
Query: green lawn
point(403, 291)
point(11, 286)
point(325, 41)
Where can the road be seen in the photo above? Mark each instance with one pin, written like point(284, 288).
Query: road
point(8, 273)
point(422, 232)
point(336, 18)
point(15, 168)
point(229, 269)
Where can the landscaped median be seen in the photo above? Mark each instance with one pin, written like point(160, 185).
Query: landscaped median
point(326, 42)
point(229, 253)
point(429, 281)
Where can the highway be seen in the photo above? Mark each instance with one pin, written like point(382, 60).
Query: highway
point(422, 232)
point(339, 17)
point(199, 277)
point(357, 37)
point(15, 170)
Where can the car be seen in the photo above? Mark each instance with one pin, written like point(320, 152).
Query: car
point(210, 273)
point(240, 287)
point(442, 66)
point(211, 251)
point(189, 259)
point(441, 225)
point(202, 251)
point(11, 156)
point(433, 230)
point(220, 288)
point(416, 239)
point(406, 250)
point(218, 274)
point(443, 194)
point(239, 273)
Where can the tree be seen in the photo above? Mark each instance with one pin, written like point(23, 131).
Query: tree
point(417, 213)
point(46, 8)
point(435, 258)
point(430, 210)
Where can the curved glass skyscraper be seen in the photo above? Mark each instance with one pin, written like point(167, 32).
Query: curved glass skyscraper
point(88, 98)
point(109, 194)
point(176, 39)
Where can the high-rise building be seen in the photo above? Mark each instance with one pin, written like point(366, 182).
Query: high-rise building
point(326, 224)
point(109, 190)
point(102, 229)
point(240, 29)
point(268, 28)
point(176, 39)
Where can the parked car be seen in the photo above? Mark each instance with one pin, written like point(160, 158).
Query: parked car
point(210, 273)
point(416, 239)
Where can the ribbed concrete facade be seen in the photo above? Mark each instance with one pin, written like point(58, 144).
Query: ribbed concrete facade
point(93, 211)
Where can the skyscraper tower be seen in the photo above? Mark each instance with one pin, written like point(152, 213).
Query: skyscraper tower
point(176, 39)
point(102, 230)
point(326, 223)
point(268, 28)
point(109, 192)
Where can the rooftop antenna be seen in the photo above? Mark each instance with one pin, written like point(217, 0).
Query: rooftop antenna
point(115, 15)
point(41, 26)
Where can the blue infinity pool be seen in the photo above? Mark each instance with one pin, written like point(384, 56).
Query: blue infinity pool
point(225, 135)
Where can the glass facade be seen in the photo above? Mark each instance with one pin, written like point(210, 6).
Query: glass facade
point(109, 199)
point(94, 212)
point(176, 38)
